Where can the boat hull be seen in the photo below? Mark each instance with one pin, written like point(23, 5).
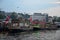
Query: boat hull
point(34, 28)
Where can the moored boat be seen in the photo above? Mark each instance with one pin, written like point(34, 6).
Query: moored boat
point(46, 27)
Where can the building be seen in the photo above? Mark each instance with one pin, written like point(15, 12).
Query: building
point(40, 17)
point(50, 19)
point(46, 16)
point(8, 13)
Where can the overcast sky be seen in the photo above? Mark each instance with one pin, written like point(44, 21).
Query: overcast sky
point(52, 7)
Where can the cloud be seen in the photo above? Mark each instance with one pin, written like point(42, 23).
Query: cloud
point(55, 2)
point(53, 11)
point(36, 2)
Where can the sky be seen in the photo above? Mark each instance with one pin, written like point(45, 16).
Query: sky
point(52, 7)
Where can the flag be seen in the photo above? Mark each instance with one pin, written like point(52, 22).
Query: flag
point(7, 19)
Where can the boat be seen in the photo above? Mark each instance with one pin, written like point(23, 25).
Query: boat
point(18, 26)
point(45, 27)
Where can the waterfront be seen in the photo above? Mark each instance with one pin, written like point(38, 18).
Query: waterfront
point(36, 35)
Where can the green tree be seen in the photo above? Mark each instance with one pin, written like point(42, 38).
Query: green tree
point(2, 15)
point(26, 16)
point(58, 20)
point(14, 15)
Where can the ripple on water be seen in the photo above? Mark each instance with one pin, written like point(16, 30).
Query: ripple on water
point(38, 35)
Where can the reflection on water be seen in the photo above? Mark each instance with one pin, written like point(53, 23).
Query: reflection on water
point(36, 35)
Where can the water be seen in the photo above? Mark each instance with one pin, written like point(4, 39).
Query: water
point(36, 35)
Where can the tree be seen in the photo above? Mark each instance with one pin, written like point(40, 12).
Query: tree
point(2, 15)
point(26, 16)
point(14, 15)
point(58, 20)
point(21, 15)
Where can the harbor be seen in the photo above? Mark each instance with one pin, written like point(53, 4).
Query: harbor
point(34, 22)
point(23, 25)
point(29, 20)
point(22, 28)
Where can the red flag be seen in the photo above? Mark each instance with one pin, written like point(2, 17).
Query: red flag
point(7, 19)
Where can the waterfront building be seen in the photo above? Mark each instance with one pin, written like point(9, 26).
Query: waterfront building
point(40, 17)
point(46, 16)
point(50, 19)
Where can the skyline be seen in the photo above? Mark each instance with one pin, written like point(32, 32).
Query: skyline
point(51, 7)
